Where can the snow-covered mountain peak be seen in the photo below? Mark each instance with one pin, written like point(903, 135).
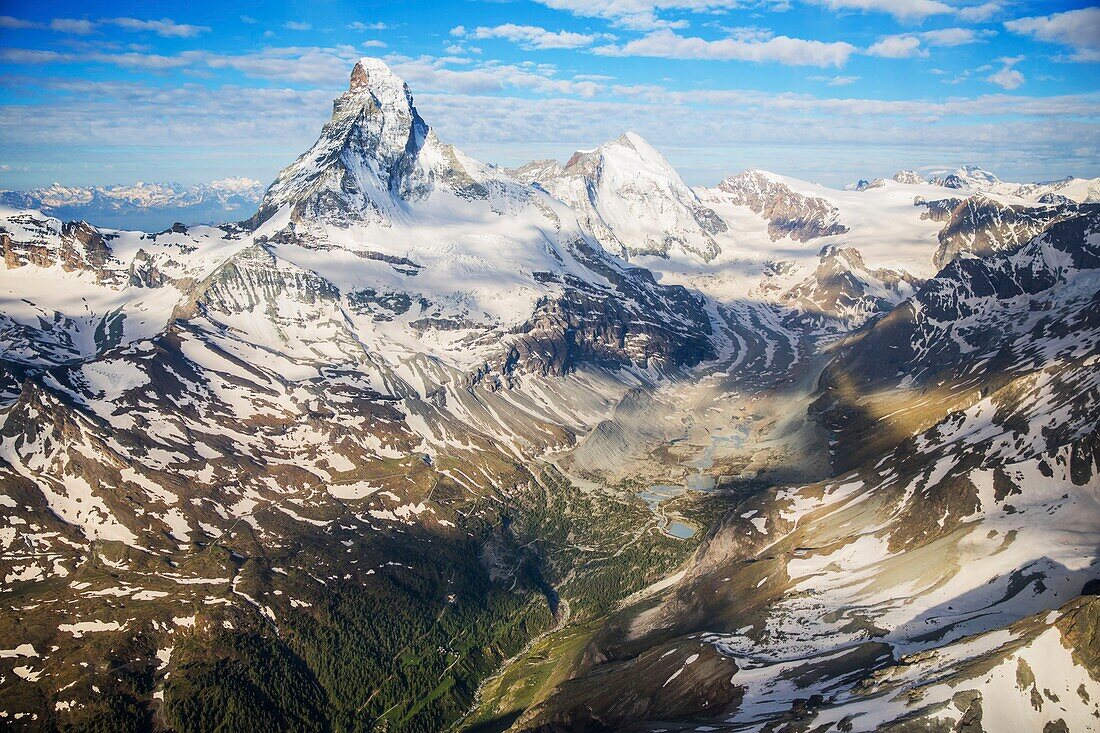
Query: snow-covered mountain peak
point(385, 104)
point(631, 199)
point(974, 173)
point(967, 176)
point(235, 184)
point(789, 213)
point(376, 77)
point(627, 156)
point(446, 255)
point(639, 147)
point(368, 153)
point(910, 177)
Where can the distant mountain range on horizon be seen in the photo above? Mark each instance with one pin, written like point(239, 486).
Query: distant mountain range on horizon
point(142, 205)
point(156, 206)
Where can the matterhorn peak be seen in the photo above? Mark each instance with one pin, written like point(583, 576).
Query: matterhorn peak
point(366, 157)
point(375, 88)
point(369, 68)
point(374, 77)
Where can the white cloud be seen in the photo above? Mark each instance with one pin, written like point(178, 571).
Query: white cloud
point(897, 47)
point(32, 56)
point(530, 36)
point(81, 27)
point(72, 25)
point(1007, 77)
point(767, 125)
point(311, 65)
point(1077, 29)
point(61, 25)
point(980, 13)
point(748, 33)
point(900, 9)
point(308, 65)
point(165, 27)
point(909, 45)
point(780, 49)
point(359, 26)
point(431, 74)
point(294, 25)
point(836, 81)
point(954, 36)
point(331, 66)
point(10, 23)
point(640, 15)
point(273, 125)
point(373, 44)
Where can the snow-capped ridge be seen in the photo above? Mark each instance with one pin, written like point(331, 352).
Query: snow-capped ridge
point(631, 199)
point(788, 212)
point(908, 176)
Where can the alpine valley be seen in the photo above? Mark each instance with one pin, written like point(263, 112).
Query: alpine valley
point(426, 444)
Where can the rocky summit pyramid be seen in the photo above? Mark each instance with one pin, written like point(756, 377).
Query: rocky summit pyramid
point(427, 445)
point(375, 159)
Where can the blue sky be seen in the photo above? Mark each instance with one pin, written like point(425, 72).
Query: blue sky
point(828, 90)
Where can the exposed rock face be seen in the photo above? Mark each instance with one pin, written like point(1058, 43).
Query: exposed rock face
point(590, 325)
point(1054, 199)
point(863, 185)
point(789, 214)
point(938, 210)
point(118, 276)
point(333, 469)
point(949, 181)
point(976, 321)
point(984, 308)
point(879, 600)
point(1080, 190)
point(373, 156)
point(537, 171)
point(844, 289)
point(516, 282)
point(28, 240)
point(631, 200)
point(981, 225)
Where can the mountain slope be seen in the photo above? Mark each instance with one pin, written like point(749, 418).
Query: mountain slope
point(411, 450)
point(631, 200)
point(938, 577)
point(296, 457)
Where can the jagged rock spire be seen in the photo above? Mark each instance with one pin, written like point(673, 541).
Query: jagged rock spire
point(365, 156)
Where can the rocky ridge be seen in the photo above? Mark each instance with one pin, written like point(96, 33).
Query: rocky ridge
point(336, 465)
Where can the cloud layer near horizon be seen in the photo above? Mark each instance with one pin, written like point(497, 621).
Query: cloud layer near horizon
point(87, 88)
